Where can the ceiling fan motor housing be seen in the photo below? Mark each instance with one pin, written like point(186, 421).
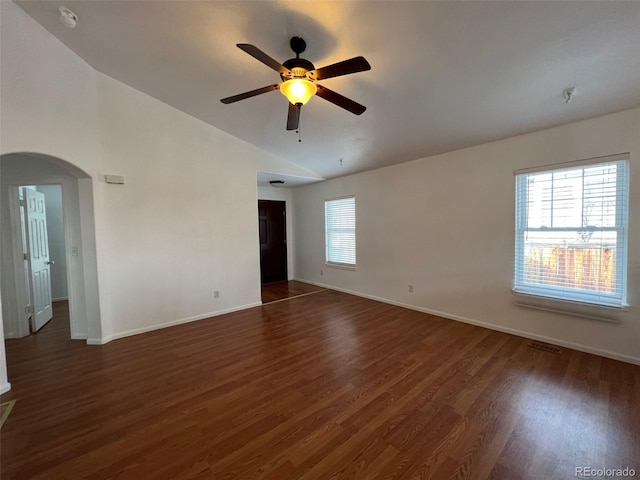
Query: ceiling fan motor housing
point(298, 67)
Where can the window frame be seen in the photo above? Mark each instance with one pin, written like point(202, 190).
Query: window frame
point(327, 232)
point(553, 296)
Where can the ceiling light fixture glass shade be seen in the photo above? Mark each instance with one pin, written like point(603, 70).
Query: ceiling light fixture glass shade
point(298, 90)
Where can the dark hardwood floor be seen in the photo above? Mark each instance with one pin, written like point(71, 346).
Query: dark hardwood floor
point(324, 386)
point(272, 292)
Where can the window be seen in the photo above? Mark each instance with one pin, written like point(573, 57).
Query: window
point(571, 232)
point(340, 231)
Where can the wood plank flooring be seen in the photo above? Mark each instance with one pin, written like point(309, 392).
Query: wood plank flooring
point(324, 386)
point(272, 292)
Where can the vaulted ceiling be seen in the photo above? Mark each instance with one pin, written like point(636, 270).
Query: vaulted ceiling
point(445, 75)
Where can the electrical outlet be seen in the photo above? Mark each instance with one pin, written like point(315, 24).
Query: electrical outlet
point(216, 294)
point(410, 288)
point(74, 251)
point(321, 272)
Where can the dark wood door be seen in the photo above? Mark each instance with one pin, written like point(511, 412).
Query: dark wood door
point(273, 240)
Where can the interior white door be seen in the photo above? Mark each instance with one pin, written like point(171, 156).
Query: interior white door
point(38, 256)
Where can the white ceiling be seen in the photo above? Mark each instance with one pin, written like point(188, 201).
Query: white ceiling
point(445, 75)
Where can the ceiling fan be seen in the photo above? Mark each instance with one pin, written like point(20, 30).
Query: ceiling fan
point(299, 80)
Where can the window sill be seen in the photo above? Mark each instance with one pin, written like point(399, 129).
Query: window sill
point(341, 266)
point(591, 311)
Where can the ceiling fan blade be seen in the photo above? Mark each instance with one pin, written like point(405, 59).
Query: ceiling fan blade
point(293, 118)
point(258, 54)
point(252, 93)
point(353, 65)
point(340, 101)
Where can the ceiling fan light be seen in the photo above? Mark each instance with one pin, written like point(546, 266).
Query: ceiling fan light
point(298, 90)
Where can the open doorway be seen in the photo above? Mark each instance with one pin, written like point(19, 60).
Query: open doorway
point(73, 276)
point(276, 214)
point(272, 218)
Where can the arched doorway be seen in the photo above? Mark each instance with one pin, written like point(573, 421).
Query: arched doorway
point(17, 169)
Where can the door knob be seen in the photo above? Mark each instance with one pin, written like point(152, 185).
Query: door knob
point(51, 262)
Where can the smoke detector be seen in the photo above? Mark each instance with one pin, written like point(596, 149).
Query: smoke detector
point(67, 17)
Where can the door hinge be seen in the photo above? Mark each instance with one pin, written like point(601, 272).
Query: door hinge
point(22, 203)
point(25, 256)
point(28, 309)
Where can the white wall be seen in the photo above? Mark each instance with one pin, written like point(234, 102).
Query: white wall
point(283, 195)
point(48, 104)
point(55, 234)
point(48, 94)
point(446, 225)
point(185, 222)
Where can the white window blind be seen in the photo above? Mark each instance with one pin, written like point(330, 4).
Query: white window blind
point(571, 233)
point(340, 231)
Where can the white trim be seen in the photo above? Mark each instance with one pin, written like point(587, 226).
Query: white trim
point(80, 336)
point(21, 298)
point(603, 313)
point(343, 197)
point(512, 331)
point(575, 298)
point(574, 163)
point(59, 299)
point(77, 326)
point(136, 331)
point(5, 387)
point(328, 203)
point(341, 266)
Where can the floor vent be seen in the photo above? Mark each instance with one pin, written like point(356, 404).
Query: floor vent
point(546, 347)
